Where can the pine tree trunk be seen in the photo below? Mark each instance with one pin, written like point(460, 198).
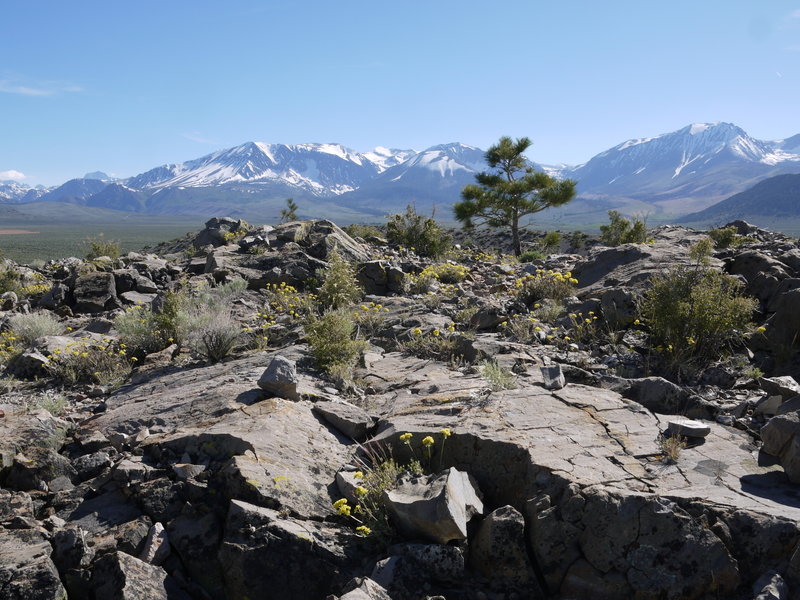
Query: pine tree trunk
point(515, 235)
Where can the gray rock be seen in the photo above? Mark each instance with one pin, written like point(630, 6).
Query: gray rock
point(780, 437)
point(688, 428)
point(785, 387)
point(364, 589)
point(29, 364)
point(352, 421)
point(553, 377)
point(435, 507)
point(280, 379)
point(8, 301)
point(56, 296)
point(156, 546)
point(91, 465)
point(498, 551)
point(123, 577)
point(770, 586)
point(619, 307)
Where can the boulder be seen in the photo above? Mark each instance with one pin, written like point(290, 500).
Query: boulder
point(156, 546)
point(785, 387)
point(323, 236)
point(435, 507)
point(38, 467)
point(219, 231)
point(280, 379)
point(95, 292)
point(619, 307)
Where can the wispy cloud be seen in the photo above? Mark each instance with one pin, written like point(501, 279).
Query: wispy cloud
point(43, 88)
point(12, 175)
point(197, 138)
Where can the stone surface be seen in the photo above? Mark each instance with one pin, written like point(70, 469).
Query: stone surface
point(262, 551)
point(436, 507)
point(26, 571)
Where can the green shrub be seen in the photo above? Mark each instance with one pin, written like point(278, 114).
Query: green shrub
point(436, 345)
point(86, 363)
point(9, 280)
point(550, 242)
point(726, 237)
point(422, 234)
point(531, 256)
point(622, 231)
point(339, 286)
point(577, 240)
point(362, 231)
point(332, 341)
point(695, 313)
point(99, 246)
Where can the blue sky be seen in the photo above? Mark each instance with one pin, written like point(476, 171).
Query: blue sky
point(126, 86)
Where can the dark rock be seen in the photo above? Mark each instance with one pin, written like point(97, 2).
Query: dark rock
point(95, 292)
point(38, 467)
point(119, 576)
point(498, 552)
point(26, 571)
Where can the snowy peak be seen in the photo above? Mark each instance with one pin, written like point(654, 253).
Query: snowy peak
point(322, 169)
point(448, 159)
point(386, 158)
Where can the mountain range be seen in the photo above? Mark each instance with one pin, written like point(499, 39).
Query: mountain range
point(666, 176)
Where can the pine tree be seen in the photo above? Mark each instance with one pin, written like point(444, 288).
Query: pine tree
point(502, 197)
point(290, 212)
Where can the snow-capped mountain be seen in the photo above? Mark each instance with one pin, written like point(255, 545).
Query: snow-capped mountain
point(429, 178)
point(320, 169)
point(13, 192)
point(707, 160)
point(673, 173)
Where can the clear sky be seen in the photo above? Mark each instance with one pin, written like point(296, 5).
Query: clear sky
point(122, 87)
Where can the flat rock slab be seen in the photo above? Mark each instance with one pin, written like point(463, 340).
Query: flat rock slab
point(26, 570)
point(277, 451)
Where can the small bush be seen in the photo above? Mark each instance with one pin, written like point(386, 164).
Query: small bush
point(27, 328)
point(332, 341)
point(531, 256)
point(216, 338)
point(577, 240)
point(550, 242)
point(422, 234)
point(498, 377)
point(100, 246)
point(9, 280)
point(671, 447)
point(369, 319)
point(622, 231)
point(436, 345)
point(545, 284)
point(524, 329)
point(339, 286)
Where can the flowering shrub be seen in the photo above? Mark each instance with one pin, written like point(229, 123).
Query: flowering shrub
point(284, 299)
point(445, 272)
point(339, 286)
point(82, 362)
point(437, 344)
point(545, 284)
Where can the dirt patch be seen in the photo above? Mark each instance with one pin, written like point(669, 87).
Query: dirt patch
point(15, 231)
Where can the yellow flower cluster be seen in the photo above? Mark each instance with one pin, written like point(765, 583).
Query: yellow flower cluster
point(284, 299)
point(445, 272)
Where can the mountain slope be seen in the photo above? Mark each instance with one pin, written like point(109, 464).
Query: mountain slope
point(773, 198)
point(74, 191)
